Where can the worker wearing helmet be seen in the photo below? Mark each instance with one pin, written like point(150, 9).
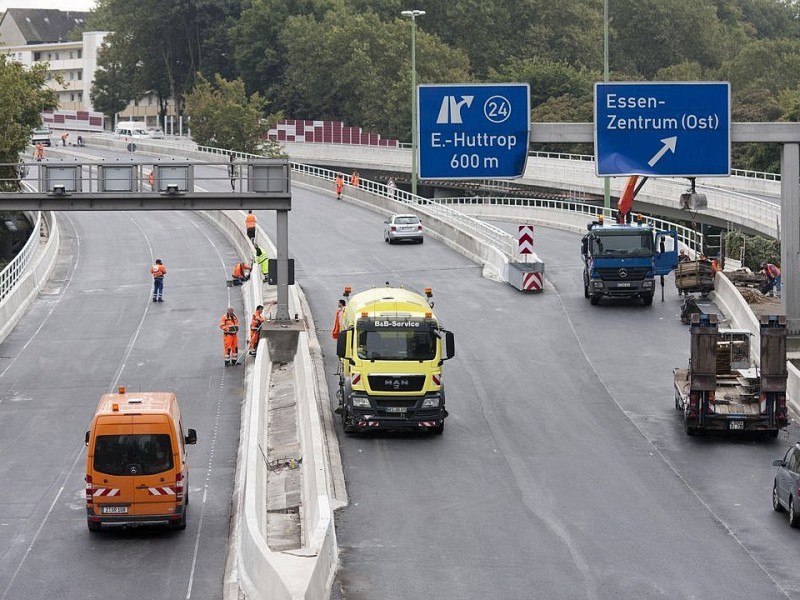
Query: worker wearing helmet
point(229, 324)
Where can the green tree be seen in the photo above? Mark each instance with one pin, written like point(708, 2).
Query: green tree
point(653, 34)
point(771, 65)
point(356, 68)
point(548, 79)
point(112, 88)
point(164, 45)
point(258, 52)
point(23, 97)
point(225, 117)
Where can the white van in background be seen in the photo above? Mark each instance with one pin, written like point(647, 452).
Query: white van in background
point(131, 129)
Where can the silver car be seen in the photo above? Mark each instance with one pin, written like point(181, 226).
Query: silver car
point(402, 227)
point(786, 487)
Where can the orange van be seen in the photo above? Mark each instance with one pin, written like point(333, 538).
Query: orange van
point(136, 467)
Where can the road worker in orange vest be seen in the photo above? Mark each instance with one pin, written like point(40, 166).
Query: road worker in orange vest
point(338, 323)
point(229, 324)
point(250, 226)
point(339, 186)
point(255, 328)
point(241, 273)
point(39, 151)
point(355, 179)
point(158, 270)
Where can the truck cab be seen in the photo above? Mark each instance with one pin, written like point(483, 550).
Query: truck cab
point(622, 260)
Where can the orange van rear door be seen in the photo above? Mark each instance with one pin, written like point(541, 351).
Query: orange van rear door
point(154, 486)
point(113, 486)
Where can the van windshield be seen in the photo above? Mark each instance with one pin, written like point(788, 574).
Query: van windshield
point(145, 454)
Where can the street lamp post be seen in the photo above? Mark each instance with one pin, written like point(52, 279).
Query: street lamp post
point(413, 14)
point(606, 180)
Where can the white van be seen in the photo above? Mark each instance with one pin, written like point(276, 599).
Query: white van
point(131, 129)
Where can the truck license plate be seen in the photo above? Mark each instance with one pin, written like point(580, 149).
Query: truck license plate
point(624, 284)
point(395, 409)
point(115, 510)
point(736, 425)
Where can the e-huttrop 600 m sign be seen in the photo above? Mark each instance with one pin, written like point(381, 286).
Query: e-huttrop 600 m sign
point(473, 131)
point(662, 129)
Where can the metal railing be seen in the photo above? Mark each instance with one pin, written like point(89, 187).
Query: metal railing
point(691, 238)
point(16, 268)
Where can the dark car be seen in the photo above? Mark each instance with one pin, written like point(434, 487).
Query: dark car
point(786, 488)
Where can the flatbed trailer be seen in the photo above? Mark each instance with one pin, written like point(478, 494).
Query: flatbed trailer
point(722, 390)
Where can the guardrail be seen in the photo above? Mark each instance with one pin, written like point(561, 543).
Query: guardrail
point(16, 268)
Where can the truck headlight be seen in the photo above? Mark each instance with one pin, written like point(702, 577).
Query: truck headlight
point(648, 283)
point(430, 403)
point(360, 402)
point(598, 285)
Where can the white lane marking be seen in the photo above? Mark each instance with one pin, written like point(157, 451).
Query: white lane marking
point(666, 460)
point(213, 437)
point(135, 336)
point(78, 454)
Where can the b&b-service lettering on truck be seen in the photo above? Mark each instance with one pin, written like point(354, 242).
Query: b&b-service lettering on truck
point(391, 350)
point(622, 260)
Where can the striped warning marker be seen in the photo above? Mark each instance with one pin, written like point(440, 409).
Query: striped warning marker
point(525, 239)
point(532, 282)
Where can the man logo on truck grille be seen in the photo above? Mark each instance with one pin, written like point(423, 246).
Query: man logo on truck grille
point(396, 384)
point(623, 273)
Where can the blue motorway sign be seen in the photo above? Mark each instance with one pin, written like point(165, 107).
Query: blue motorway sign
point(662, 129)
point(473, 131)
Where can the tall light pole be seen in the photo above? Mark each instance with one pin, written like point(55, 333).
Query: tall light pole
point(413, 14)
point(607, 180)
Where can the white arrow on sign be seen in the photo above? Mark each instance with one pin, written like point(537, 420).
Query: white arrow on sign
point(669, 144)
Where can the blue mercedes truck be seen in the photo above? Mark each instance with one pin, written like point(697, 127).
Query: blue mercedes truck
point(623, 260)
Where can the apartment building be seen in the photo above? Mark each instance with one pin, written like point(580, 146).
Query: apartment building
point(30, 35)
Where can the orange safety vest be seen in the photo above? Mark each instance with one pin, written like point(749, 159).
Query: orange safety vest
point(337, 325)
point(228, 322)
point(158, 271)
point(773, 272)
point(339, 184)
point(239, 270)
point(257, 320)
point(250, 221)
point(354, 180)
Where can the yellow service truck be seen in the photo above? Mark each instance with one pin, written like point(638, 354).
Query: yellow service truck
point(391, 348)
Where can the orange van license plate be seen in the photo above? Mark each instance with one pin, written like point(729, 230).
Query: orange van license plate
point(115, 510)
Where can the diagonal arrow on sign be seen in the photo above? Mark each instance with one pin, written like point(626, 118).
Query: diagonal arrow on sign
point(669, 144)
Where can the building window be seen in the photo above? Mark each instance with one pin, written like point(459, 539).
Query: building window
point(37, 56)
point(80, 75)
point(70, 54)
point(80, 53)
point(72, 97)
point(71, 75)
point(58, 56)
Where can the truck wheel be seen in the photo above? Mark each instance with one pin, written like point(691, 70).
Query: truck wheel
point(347, 425)
point(776, 503)
point(648, 300)
point(585, 291)
point(438, 430)
point(180, 524)
point(794, 518)
point(594, 300)
point(691, 430)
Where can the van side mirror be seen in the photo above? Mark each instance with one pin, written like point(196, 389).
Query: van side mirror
point(777, 463)
point(584, 245)
point(86, 439)
point(191, 437)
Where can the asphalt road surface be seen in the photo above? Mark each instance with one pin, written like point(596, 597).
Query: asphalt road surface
point(564, 471)
point(92, 329)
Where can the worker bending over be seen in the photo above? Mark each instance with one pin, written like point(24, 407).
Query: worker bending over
point(255, 328)
point(241, 273)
